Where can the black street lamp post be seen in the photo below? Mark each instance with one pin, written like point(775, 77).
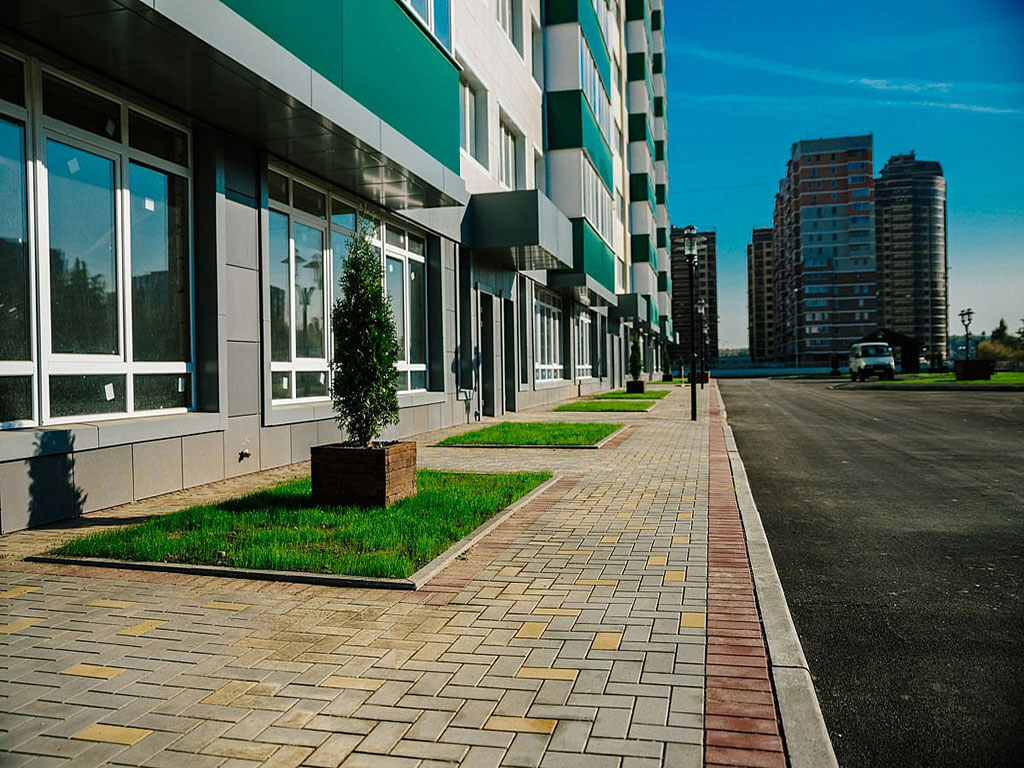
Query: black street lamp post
point(690, 254)
point(966, 315)
point(702, 313)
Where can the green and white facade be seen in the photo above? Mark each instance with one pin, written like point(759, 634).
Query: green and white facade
point(178, 181)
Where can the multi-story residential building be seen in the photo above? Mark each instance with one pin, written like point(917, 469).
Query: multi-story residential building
point(705, 287)
point(910, 218)
point(760, 296)
point(179, 183)
point(824, 250)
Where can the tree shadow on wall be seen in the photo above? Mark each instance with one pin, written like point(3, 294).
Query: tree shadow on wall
point(52, 492)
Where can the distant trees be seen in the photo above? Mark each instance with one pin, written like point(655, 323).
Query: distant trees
point(1002, 345)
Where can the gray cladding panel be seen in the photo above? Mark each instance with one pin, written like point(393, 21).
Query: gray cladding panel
point(242, 446)
point(105, 477)
point(241, 221)
point(202, 459)
point(243, 304)
point(156, 467)
point(243, 376)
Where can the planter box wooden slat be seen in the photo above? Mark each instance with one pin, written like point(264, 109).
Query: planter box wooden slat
point(635, 387)
point(362, 477)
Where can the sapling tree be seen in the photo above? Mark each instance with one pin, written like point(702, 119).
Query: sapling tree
point(363, 378)
point(635, 361)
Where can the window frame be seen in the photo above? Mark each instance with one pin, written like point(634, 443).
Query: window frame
point(584, 344)
point(38, 129)
point(548, 356)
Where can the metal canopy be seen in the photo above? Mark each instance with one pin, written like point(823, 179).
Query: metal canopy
point(521, 228)
point(203, 60)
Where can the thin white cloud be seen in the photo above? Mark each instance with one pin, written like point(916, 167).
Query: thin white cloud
point(829, 77)
point(804, 103)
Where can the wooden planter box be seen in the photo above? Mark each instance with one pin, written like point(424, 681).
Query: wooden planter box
point(362, 477)
point(635, 387)
point(973, 370)
point(667, 377)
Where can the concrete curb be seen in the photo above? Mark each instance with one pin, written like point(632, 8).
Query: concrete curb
point(857, 387)
point(803, 727)
point(417, 580)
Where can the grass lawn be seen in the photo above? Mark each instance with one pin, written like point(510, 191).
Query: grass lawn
point(657, 394)
point(540, 433)
point(606, 405)
point(999, 379)
point(280, 529)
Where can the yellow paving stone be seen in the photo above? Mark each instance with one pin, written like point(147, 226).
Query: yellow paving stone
point(546, 543)
point(556, 612)
point(358, 683)
point(684, 516)
point(18, 591)
point(606, 641)
point(641, 527)
point(691, 619)
point(17, 625)
point(142, 628)
point(623, 516)
point(598, 582)
point(655, 560)
point(217, 605)
point(547, 673)
point(93, 670)
point(112, 734)
point(575, 552)
point(672, 577)
point(680, 540)
point(532, 630)
point(609, 539)
point(104, 603)
point(509, 570)
point(228, 692)
point(520, 724)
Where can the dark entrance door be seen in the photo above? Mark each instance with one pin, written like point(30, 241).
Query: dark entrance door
point(508, 355)
point(487, 354)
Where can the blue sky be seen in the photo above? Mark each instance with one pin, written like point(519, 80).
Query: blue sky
point(946, 79)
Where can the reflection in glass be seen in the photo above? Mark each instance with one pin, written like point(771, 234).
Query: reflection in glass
point(442, 25)
point(83, 262)
point(309, 200)
point(417, 379)
point(160, 274)
point(339, 255)
point(342, 214)
point(280, 385)
point(417, 312)
point(309, 292)
point(280, 289)
point(277, 187)
point(396, 292)
point(396, 236)
point(417, 245)
point(79, 107)
point(12, 82)
point(14, 264)
point(155, 392)
point(84, 395)
point(311, 384)
point(156, 138)
point(15, 398)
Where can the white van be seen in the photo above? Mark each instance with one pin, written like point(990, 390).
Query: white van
point(873, 358)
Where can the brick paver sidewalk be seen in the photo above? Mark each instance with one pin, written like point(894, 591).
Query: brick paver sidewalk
point(574, 635)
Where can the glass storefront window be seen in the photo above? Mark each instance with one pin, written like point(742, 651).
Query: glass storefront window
point(15, 335)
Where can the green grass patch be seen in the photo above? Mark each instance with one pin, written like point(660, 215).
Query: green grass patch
point(280, 529)
point(540, 433)
point(657, 394)
point(999, 379)
point(607, 405)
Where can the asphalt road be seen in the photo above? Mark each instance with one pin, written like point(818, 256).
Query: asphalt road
point(897, 524)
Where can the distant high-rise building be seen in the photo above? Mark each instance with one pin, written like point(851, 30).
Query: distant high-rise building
point(760, 299)
point(824, 250)
point(910, 218)
point(706, 288)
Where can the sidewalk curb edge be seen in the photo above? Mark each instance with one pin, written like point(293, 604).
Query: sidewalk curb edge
point(803, 727)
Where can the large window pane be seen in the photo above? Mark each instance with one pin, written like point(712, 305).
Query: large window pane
point(14, 264)
point(83, 261)
point(84, 395)
point(163, 390)
point(15, 398)
point(79, 107)
point(280, 385)
point(280, 289)
point(396, 292)
point(160, 274)
point(442, 22)
point(309, 291)
point(342, 214)
point(309, 200)
point(417, 312)
point(339, 254)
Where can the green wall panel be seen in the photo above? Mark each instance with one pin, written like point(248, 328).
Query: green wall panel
point(664, 282)
point(352, 44)
point(582, 12)
point(642, 251)
point(571, 124)
point(591, 255)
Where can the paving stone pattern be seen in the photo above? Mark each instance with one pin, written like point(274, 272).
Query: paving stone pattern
point(573, 635)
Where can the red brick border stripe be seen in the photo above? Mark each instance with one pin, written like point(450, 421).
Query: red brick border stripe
point(741, 724)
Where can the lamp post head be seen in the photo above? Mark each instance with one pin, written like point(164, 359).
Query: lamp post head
point(690, 243)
